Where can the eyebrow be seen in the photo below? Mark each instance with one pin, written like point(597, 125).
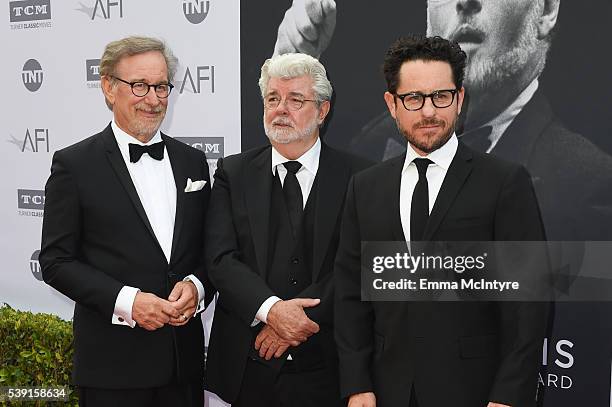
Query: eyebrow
point(275, 93)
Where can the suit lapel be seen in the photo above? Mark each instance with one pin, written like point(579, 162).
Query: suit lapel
point(118, 164)
point(258, 189)
point(458, 171)
point(180, 179)
point(332, 179)
point(390, 208)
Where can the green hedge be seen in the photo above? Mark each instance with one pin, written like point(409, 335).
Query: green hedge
point(35, 350)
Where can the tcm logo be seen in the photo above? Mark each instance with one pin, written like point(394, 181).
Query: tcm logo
point(213, 147)
point(92, 66)
point(31, 199)
point(195, 11)
point(30, 10)
point(35, 266)
point(32, 75)
point(36, 140)
point(197, 79)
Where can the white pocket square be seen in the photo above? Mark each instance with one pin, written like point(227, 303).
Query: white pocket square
point(193, 186)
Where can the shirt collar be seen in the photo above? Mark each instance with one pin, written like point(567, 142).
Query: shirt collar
point(309, 160)
point(441, 157)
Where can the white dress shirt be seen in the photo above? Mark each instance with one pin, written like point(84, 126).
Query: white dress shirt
point(436, 172)
point(501, 122)
point(156, 188)
point(305, 176)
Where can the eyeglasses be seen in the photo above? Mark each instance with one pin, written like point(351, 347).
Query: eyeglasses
point(416, 100)
point(140, 89)
point(293, 103)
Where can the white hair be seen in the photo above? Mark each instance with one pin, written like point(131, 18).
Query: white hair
point(294, 65)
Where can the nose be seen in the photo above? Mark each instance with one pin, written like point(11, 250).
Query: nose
point(428, 109)
point(151, 97)
point(469, 7)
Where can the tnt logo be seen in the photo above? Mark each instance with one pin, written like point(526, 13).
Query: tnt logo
point(32, 75)
point(212, 146)
point(35, 266)
point(30, 10)
point(195, 11)
point(35, 140)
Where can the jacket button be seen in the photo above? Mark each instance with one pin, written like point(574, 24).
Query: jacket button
point(171, 274)
point(295, 260)
point(293, 281)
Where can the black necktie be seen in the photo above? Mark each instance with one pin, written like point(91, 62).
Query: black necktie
point(293, 195)
point(156, 151)
point(478, 138)
point(419, 209)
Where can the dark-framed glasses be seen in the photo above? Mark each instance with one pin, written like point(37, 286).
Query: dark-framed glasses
point(140, 89)
point(293, 102)
point(416, 100)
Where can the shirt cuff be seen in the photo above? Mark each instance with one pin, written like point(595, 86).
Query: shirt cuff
point(122, 315)
point(200, 287)
point(262, 312)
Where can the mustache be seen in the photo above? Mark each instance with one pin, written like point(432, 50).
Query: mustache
point(429, 122)
point(283, 121)
point(468, 33)
point(155, 109)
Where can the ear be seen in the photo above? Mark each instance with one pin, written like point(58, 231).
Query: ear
point(548, 19)
point(109, 89)
point(324, 111)
point(460, 98)
point(390, 100)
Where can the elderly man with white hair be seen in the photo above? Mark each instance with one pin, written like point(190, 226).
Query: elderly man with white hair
point(272, 236)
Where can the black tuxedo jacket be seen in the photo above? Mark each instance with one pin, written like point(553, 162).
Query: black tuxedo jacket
point(96, 238)
point(237, 238)
point(453, 353)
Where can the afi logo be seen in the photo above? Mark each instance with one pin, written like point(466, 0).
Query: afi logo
point(194, 84)
point(195, 10)
point(30, 199)
point(30, 10)
point(35, 266)
point(32, 142)
point(106, 8)
point(32, 75)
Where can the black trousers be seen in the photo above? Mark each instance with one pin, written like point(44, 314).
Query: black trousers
point(175, 395)
point(263, 386)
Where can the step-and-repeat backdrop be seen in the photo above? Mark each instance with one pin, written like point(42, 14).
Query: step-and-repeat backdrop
point(52, 98)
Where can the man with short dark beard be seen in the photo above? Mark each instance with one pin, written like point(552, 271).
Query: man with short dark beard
point(122, 237)
point(272, 234)
point(431, 354)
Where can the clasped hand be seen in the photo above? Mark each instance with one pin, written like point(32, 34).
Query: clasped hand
point(152, 312)
point(287, 325)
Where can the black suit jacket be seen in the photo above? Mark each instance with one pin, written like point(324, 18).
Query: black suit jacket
point(237, 240)
point(96, 238)
point(454, 353)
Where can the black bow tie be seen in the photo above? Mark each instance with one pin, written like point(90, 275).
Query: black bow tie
point(155, 151)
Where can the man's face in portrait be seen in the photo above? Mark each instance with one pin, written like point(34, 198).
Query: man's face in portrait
point(430, 127)
point(138, 116)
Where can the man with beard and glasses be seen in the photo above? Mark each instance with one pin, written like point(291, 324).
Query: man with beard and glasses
point(272, 235)
point(123, 237)
point(430, 354)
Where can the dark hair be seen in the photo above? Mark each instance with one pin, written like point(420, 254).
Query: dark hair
point(419, 47)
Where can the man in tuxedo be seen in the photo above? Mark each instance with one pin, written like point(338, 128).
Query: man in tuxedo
point(271, 239)
point(432, 354)
point(123, 237)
